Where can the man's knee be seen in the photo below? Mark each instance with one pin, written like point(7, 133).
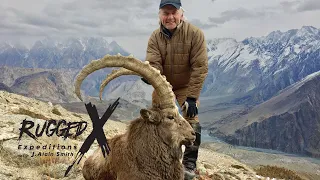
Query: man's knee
point(197, 128)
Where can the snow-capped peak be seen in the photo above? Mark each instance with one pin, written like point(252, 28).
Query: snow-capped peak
point(220, 45)
point(310, 30)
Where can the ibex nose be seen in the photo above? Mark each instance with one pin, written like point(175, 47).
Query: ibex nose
point(193, 133)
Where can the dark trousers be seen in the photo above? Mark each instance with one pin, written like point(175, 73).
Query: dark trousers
point(191, 153)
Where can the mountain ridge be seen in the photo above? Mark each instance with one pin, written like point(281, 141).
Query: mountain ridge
point(259, 67)
point(287, 122)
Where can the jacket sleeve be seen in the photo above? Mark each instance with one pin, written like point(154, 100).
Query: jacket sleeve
point(153, 53)
point(199, 64)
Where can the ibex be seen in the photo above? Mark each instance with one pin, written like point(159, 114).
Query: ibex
point(151, 147)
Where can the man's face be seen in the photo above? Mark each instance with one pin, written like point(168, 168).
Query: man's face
point(170, 17)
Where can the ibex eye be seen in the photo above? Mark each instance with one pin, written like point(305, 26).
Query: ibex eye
point(170, 117)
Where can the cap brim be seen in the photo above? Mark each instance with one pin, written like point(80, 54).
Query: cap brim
point(173, 4)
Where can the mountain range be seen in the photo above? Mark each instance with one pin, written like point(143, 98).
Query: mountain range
point(254, 69)
point(243, 77)
point(51, 54)
point(258, 68)
point(46, 71)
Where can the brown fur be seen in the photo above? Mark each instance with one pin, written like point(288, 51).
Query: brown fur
point(150, 149)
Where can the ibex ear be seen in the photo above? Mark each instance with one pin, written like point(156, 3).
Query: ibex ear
point(149, 116)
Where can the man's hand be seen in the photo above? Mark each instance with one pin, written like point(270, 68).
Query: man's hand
point(145, 81)
point(190, 106)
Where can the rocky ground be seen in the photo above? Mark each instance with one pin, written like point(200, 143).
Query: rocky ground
point(306, 167)
point(18, 163)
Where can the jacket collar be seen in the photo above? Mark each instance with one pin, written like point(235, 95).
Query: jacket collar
point(169, 34)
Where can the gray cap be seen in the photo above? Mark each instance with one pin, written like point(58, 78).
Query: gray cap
point(175, 3)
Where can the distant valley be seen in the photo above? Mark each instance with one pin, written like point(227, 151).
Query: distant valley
point(288, 122)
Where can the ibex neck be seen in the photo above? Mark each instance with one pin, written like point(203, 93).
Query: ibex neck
point(152, 154)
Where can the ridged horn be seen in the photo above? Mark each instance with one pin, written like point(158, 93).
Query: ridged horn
point(152, 75)
point(114, 74)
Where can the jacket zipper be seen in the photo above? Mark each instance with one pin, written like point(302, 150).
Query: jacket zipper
point(171, 61)
point(171, 58)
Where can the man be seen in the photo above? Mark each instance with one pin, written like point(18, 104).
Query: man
point(178, 49)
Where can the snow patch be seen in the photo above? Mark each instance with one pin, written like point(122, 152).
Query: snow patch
point(296, 48)
point(84, 47)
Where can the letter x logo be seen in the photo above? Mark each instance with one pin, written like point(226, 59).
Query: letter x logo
point(97, 132)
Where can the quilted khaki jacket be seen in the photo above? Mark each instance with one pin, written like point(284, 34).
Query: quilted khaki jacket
point(182, 58)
